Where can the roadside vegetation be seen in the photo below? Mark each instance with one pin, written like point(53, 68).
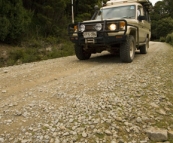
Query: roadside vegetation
point(162, 22)
point(37, 31)
point(169, 39)
point(18, 55)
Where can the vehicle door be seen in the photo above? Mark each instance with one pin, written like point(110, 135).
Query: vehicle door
point(147, 23)
point(142, 26)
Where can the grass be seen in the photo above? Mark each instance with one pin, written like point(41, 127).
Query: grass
point(36, 52)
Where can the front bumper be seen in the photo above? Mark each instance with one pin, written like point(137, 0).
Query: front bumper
point(105, 40)
point(103, 36)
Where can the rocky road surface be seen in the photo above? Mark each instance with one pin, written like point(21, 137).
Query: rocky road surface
point(100, 100)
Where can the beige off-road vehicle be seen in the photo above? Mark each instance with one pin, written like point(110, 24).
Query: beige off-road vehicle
point(120, 26)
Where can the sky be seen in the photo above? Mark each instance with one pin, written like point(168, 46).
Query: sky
point(154, 1)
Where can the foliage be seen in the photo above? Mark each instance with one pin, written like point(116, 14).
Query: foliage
point(4, 27)
point(162, 39)
point(168, 7)
point(28, 54)
point(14, 20)
point(85, 9)
point(49, 17)
point(169, 39)
point(162, 22)
point(164, 8)
point(162, 27)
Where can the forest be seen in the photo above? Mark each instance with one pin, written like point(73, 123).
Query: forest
point(40, 23)
point(22, 20)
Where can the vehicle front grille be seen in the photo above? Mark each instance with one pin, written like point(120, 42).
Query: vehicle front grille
point(91, 27)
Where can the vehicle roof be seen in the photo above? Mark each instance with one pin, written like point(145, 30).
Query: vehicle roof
point(120, 4)
point(146, 3)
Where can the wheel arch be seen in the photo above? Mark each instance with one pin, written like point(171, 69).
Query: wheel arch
point(133, 32)
point(148, 36)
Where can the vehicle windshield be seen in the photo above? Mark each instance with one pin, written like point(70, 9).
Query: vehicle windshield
point(117, 12)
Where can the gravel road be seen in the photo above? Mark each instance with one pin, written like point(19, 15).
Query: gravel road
point(100, 100)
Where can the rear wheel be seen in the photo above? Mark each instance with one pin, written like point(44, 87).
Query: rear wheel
point(81, 54)
point(144, 48)
point(127, 50)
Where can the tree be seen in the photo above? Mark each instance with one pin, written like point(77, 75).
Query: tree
point(84, 9)
point(168, 7)
point(13, 20)
point(162, 23)
point(162, 27)
point(49, 16)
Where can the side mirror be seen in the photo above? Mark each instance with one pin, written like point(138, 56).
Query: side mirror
point(96, 7)
point(140, 18)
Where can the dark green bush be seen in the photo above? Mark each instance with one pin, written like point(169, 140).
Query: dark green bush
point(5, 26)
point(162, 27)
point(162, 39)
point(169, 38)
point(14, 20)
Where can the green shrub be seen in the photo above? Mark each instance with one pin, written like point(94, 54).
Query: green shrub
point(30, 55)
point(16, 54)
point(5, 26)
point(162, 27)
point(10, 62)
point(169, 38)
point(35, 43)
point(1, 62)
point(162, 39)
point(14, 20)
point(37, 51)
point(67, 49)
point(23, 55)
point(52, 40)
point(61, 50)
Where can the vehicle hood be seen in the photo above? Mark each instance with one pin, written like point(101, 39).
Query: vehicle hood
point(99, 20)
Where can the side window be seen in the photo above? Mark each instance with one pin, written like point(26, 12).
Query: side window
point(139, 11)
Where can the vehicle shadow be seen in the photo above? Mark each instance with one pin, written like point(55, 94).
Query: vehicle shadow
point(105, 58)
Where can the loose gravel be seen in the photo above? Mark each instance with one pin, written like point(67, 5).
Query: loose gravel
point(100, 100)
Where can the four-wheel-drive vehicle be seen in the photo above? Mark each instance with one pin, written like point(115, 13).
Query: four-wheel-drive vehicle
point(120, 26)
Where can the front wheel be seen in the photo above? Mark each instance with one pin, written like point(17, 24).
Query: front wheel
point(144, 48)
point(81, 54)
point(127, 50)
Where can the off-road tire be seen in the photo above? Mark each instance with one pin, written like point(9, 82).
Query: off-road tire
point(81, 54)
point(144, 48)
point(127, 50)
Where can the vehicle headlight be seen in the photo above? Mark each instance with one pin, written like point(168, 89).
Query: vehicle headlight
point(82, 28)
point(112, 27)
point(122, 24)
point(98, 26)
point(75, 28)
